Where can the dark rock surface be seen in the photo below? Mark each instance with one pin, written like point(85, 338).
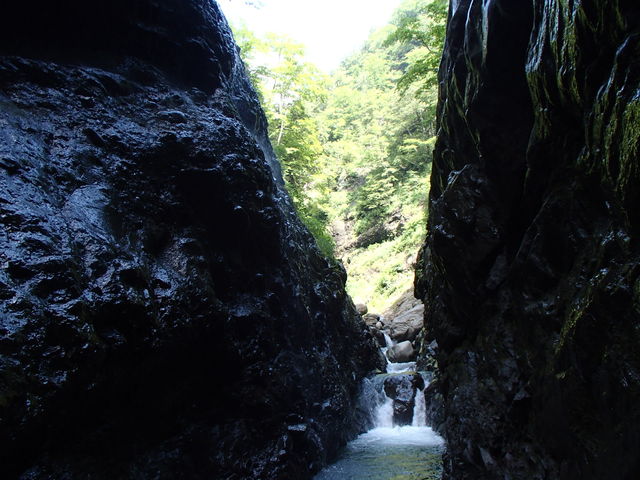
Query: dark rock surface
point(163, 314)
point(530, 274)
point(434, 404)
point(401, 388)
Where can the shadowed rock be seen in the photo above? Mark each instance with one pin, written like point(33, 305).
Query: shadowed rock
point(402, 389)
point(530, 273)
point(163, 314)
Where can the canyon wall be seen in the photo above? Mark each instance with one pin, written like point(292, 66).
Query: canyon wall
point(530, 271)
point(163, 313)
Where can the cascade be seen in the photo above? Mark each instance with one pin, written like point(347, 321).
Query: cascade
point(392, 447)
point(419, 410)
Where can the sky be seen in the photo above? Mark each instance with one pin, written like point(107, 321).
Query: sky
point(330, 29)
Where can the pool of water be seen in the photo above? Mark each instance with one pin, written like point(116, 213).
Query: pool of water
point(389, 453)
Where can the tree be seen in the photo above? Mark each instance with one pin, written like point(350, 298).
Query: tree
point(421, 24)
point(356, 151)
point(291, 89)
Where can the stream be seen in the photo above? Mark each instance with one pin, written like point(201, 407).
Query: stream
point(389, 451)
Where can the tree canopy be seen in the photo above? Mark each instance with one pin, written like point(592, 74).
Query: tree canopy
point(356, 147)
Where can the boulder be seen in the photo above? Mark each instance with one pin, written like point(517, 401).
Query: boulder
point(371, 319)
point(375, 234)
point(361, 308)
point(401, 352)
point(402, 390)
point(405, 317)
point(407, 325)
point(379, 336)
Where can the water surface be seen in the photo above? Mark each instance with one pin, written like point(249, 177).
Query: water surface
point(389, 453)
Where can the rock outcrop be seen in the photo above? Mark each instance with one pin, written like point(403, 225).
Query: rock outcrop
point(530, 273)
point(405, 317)
point(163, 314)
point(401, 388)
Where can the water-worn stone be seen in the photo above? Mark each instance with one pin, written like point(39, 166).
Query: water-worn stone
point(371, 319)
point(407, 325)
point(361, 308)
point(401, 352)
point(401, 388)
point(405, 317)
point(144, 333)
point(531, 272)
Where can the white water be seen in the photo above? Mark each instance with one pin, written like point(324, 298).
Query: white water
point(401, 367)
point(384, 414)
point(395, 367)
point(399, 436)
point(419, 410)
point(388, 452)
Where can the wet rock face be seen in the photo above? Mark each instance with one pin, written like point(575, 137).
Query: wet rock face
point(402, 390)
point(163, 314)
point(530, 273)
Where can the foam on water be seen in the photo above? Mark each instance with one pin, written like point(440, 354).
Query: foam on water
point(398, 436)
point(384, 414)
point(419, 410)
point(389, 453)
point(401, 367)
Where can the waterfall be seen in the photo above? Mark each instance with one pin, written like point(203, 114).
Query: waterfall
point(384, 414)
point(388, 451)
point(419, 410)
point(395, 367)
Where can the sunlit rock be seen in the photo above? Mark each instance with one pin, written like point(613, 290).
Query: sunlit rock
point(401, 352)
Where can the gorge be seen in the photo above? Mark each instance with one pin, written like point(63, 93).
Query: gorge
point(164, 314)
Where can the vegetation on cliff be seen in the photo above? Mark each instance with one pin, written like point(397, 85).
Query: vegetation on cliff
point(356, 146)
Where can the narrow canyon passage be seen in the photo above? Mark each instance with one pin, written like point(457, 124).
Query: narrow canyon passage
point(169, 310)
point(399, 444)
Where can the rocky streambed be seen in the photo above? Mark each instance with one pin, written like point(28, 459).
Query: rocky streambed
point(399, 443)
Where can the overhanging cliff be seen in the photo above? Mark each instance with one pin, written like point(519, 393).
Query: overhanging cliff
point(163, 313)
point(530, 272)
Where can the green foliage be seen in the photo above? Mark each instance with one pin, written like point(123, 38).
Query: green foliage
point(290, 88)
point(421, 24)
point(298, 148)
point(378, 132)
point(356, 150)
point(316, 220)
